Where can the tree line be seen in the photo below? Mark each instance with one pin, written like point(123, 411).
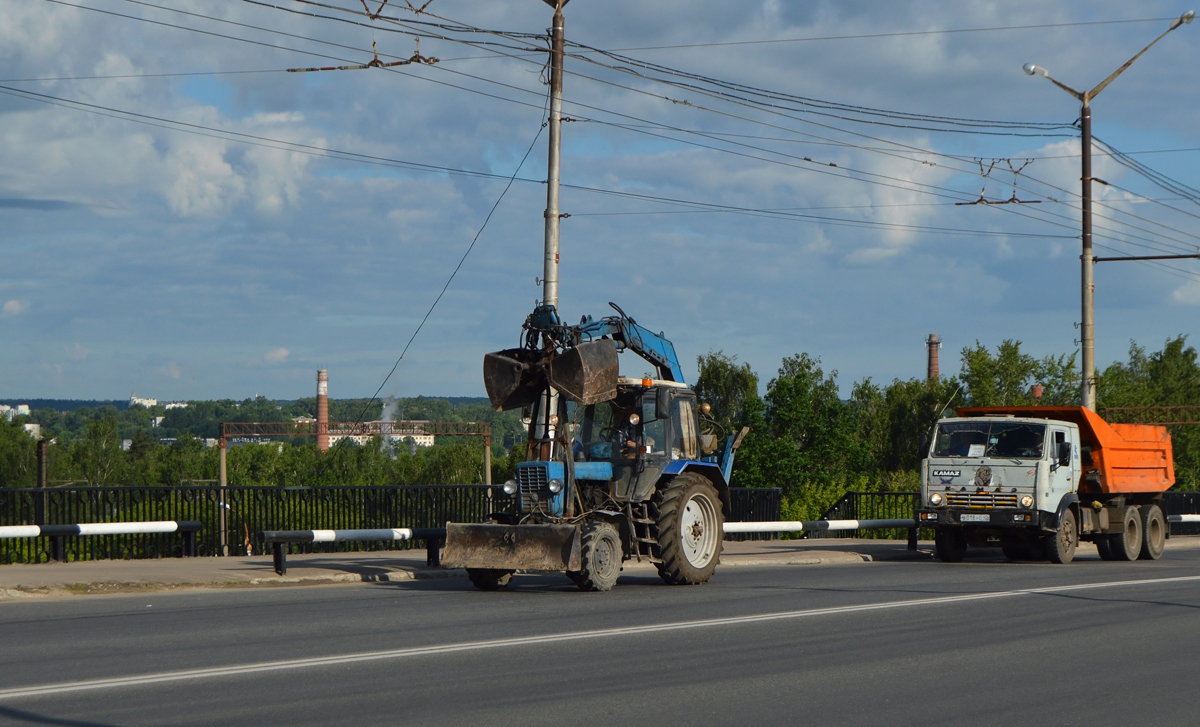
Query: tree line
point(804, 436)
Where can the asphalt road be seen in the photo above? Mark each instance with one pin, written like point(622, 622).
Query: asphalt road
point(901, 643)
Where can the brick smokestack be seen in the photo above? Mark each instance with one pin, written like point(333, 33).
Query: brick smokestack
point(322, 410)
point(932, 344)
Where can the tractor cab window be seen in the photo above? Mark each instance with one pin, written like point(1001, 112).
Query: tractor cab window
point(605, 431)
point(655, 430)
point(683, 416)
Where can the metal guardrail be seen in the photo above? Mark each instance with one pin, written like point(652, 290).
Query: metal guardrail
point(280, 539)
point(56, 533)
point(815, 526)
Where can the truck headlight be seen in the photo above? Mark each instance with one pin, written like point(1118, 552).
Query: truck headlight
point(1027, 501)
point(555, 486)
point(510, 487)
point(936, 499)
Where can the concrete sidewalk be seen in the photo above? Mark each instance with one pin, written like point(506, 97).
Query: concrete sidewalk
point(116, 576)
point(20, 581)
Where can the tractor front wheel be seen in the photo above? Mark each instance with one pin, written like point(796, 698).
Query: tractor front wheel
point(690, 524)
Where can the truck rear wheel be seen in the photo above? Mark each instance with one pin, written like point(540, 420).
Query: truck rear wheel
point(950, 544)
point(1154, 532)
point(600, 554)
point(489, 579)
point(1060, 545)
point(1104, 547)
point(689, 521)
point(1128, 545)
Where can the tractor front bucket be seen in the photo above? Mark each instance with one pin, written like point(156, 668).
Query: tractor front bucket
point(512, 547)
point(513, 377)
point(587, 373)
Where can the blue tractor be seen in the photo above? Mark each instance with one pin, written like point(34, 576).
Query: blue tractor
point(617, 468)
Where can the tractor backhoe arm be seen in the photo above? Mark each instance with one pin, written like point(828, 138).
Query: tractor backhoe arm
point(653, 347)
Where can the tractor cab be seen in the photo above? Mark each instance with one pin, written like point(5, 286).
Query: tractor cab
point(624, 445)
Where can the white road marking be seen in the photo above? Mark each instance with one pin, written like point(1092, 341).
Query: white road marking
point(268, 666)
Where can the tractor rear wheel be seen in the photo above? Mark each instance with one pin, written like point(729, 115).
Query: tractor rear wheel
point(600, 555)
point(689, 520)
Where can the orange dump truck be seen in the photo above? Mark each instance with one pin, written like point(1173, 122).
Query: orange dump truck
point(1038, 479)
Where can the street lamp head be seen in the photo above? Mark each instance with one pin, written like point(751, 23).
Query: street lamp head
point(1038, 70)
point(1184, 19)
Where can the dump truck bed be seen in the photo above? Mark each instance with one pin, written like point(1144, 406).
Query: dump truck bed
point(1126, 458)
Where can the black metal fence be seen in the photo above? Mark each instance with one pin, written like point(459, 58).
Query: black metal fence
point(754, 505)
point(250, 510)
point(1183, 503)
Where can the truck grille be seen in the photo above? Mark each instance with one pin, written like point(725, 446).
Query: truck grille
point(980, 500)
point(532, 484)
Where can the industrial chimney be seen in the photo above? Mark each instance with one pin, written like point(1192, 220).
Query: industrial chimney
point(933, 343)
point(322, 410)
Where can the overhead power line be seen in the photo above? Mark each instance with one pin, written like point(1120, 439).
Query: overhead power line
point(898, 34)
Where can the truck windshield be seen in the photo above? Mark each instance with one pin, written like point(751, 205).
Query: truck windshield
point(1003, 440)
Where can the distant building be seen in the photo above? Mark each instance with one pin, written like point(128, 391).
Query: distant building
point(175, 405)
point(35, 430)
point(156, 421)
point(12, 412)
point(126, 444)
point(135, 400)
point(399, 436)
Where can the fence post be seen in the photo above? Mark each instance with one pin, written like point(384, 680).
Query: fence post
point(39, 500)
point(433, 554)
point(221, 507)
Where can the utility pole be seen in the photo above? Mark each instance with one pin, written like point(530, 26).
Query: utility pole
point(547, 423)
point(550, 271)
point(1087, 259)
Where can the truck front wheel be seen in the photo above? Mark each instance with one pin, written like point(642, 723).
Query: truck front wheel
point(1060, 545)
point(950, 544)
point(689, 521)
point(1154, 532)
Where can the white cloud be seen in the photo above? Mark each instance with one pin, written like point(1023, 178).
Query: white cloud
point(78, 352)
point(15, 307)
point(170, 370)
point(1187, 294)
point(202, 183)
point(277, 355)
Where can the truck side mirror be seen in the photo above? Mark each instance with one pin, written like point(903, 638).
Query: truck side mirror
point(662, 403)
point(923, 446)
point(1064, 454)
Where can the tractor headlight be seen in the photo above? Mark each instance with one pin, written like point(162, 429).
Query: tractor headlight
point(1027, 501)
point(555, 485)
point(936, 499)
point(510, 487)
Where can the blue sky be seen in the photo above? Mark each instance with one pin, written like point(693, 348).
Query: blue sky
point(181, 265)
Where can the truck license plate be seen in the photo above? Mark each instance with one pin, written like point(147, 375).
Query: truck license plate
point(969, 517)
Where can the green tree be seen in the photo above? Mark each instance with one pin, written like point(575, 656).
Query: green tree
point(730, 389)
point(97, 457)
